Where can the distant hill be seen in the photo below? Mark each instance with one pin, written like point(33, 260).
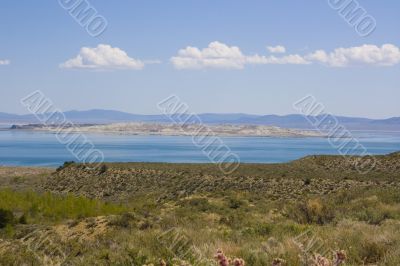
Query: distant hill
point(99, 116)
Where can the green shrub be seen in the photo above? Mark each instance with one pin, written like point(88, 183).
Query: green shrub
point(235, 203)
point(22, 219)
point(123, 220)
point(103, 168)
point(199, 204)
point(6, 218)
point(307, 181)
point(65, 165)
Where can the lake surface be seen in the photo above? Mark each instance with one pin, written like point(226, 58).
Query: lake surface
point(26, 148)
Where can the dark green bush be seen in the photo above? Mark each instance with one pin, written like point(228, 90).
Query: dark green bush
point(65, 165)
point(22, 219)
point(199, 204)
point(235, 203)
point(123, 220)
point(6, 217)
point(307, 181)
point(103, 168)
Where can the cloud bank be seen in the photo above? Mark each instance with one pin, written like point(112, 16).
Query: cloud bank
point(220, 55)
point(386, 55)
point(103, 57)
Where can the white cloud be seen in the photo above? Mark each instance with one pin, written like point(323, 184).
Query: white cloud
point(4, 62)
point(276, 49)
point(386, 55)
point(284, 60)
point(103, 57)
point(220, 55)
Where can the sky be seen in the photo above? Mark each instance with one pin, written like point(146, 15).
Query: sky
point(256, 57)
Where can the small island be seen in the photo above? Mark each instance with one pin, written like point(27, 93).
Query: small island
point(170, 129)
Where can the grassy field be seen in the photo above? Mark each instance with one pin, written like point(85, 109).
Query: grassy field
point(182, 214)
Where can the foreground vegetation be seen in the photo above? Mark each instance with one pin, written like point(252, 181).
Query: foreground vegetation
point(170, 214)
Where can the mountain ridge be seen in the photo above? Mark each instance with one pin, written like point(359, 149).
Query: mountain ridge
point(101, 116)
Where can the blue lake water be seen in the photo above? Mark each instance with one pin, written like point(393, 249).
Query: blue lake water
point(25, 148)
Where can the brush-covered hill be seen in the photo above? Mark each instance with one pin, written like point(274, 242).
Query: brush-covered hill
point(311, 175)
point(318, 208)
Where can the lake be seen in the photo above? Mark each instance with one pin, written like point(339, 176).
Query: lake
point(26, 148)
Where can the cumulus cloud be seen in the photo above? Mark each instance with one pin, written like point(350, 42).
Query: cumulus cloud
point(220, 55)
point(103, 57)
point(276, 49)
point(386, 55)
point(4, 62)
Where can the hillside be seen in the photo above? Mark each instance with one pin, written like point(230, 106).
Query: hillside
point(181, 214)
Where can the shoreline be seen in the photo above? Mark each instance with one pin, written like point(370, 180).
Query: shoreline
point(160, 163)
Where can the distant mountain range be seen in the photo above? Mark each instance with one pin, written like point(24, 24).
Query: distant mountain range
point(99, 116)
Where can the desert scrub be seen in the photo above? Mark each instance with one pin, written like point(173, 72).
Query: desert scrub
point(312, 211)
point(253, 214)
point(48, 207)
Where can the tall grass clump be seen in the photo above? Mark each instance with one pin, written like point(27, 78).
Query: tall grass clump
point(49, 207)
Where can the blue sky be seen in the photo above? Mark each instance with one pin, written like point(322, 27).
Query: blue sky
point(37, 37)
